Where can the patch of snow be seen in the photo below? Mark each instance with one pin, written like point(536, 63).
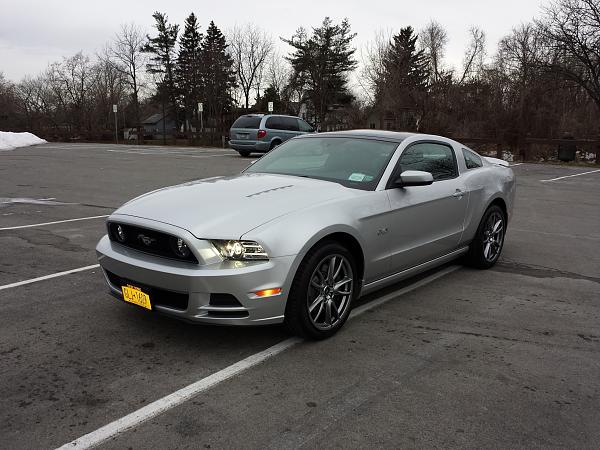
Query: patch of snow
point(10, 141)
point(31, 201)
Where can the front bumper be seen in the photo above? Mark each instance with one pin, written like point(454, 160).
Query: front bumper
point(197, 283)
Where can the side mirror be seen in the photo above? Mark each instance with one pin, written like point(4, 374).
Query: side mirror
point(413, 178)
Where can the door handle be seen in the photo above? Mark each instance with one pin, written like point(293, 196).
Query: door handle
point(458, 194)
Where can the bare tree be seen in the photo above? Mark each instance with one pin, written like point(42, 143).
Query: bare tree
point(373, 56)
point(572, 28)
point(475, 55)
point(250, 47)
point(520, 53)
point(433, 39)
point(278, 71)
point(126, 53)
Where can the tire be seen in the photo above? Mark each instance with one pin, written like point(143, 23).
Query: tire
point(244, 153)
point(486, 247)
point(274, 144)
point(314, 280)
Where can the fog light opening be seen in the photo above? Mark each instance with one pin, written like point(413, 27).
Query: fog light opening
point(268, 292)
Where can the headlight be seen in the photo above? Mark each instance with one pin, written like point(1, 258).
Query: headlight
point(241, 250)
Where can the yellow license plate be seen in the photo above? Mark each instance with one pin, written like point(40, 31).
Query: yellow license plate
point(135, 295)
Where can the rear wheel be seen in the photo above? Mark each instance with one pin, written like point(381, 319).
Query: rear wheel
point(487, 245)
point(244, 153)
point(274, 144)
point(322, 292)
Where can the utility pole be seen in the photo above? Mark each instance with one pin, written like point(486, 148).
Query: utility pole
point(116, 128)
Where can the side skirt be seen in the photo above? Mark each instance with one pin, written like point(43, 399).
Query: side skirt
point(407, 273)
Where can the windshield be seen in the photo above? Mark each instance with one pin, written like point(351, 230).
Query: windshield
point(353, 162)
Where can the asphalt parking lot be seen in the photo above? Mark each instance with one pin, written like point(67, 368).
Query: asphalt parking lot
point(504, 358)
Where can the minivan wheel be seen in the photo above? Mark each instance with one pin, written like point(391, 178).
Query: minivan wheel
point(244, 153)
point(322, 292)
point(274, 144)
point(486, 247)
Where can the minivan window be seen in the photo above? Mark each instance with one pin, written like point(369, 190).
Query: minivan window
point(274, 123)
point(252, 122)
point(304, 126)
point(290, 123)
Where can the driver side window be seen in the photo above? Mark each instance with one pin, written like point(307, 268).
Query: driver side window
point(437, 159)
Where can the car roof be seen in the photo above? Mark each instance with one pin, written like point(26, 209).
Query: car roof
point(381, 135)
point(268, 115)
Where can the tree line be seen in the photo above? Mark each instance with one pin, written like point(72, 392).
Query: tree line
point(542, 80)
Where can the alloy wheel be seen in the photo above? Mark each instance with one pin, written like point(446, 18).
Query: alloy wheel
point(493, 236)
point(330, 291)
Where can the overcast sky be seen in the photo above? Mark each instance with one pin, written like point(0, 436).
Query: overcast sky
point(34, 33)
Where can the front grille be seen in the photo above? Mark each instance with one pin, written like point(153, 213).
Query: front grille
point(148, 241)
point(159, 297)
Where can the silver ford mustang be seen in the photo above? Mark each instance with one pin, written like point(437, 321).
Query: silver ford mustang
point(307, 229)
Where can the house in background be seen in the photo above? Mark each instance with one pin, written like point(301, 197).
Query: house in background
point(402, 119)
point(156, 123)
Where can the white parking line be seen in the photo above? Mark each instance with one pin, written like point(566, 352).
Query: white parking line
point(513, 165)
point(574, 175)
point(48, 277)
point(176, 154)
point(18, 227)
point(178, 397)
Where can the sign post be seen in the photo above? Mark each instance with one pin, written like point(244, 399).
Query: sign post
point(116, 129)
point(270, 107)
point(201, 110)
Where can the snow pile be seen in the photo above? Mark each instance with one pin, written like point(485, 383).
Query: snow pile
point(10, 141)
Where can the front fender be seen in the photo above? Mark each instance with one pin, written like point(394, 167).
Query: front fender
point(295, 234)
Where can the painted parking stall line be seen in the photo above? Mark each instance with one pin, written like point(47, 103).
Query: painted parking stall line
point(48, 277)
point(170, 401)
point(18, 227)
point(570, 176)
point(202, 154)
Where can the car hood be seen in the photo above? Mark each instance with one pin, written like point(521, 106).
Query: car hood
point(228, 207)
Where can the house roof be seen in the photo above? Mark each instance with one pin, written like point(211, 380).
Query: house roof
point(154, 118)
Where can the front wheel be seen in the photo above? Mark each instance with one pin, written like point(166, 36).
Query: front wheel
point(322, 292)
point(486, 247)
point(244, 153)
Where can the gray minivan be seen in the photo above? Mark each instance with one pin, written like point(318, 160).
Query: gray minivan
point(259, 133)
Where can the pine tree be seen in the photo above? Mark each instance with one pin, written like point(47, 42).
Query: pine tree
point(404, 65)
point(321, 65)
point(405, 74)
point(218, 76)
point(270, 95)
point(187, 73)
point(162, 62)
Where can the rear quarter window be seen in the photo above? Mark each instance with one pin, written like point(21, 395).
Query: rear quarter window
point(472, 159)
point(252, 122)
